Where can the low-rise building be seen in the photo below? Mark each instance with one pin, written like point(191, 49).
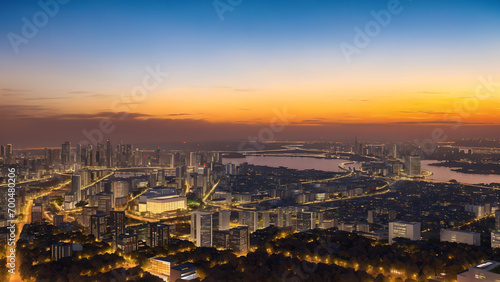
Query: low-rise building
point(461, 236)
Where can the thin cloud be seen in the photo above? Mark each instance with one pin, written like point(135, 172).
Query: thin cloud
point(46, 98)
point(80, 92)
point(14, 90)
point(97, 95)
point(110, 115)
point(432, 92)
point(235, 89)
point(177, 115)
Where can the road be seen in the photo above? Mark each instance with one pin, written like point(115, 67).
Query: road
point(26, 212)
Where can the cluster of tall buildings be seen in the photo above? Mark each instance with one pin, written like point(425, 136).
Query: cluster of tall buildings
point(6, 153)
point(85, 184)
point(213, 230)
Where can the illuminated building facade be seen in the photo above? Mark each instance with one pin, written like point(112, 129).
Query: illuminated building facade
point(410, 230)
point(484, 271)
point(201, 228)
point(166, 203)
point(461, 236)
point(161, 266)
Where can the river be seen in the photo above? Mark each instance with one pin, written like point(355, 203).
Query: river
point(443, 173)
point(300, 163)
point(440, 173)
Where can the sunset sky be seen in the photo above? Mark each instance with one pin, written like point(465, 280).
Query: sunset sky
point(227, 78)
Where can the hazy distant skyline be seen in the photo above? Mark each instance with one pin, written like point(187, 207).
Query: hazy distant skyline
point(226, 77)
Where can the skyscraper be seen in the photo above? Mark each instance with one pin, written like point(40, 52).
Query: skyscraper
point(2, 151)
point(305, 221)
point(266, 219)
point(78, 154)
point(250, 219)
point(201, 228)
point(221, 220)
point(127, 243)
point(109, 154)
point(98, 225)
point(412, 165)
point(9, 151)
point(117, 223)
point(76, 186)
point(239, 239)
point(66, 153)
point(159, 235)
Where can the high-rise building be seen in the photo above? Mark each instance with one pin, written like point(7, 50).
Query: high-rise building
point(250, 219)
point(221, 220)
point(461, 236)
point(306, 221)
point(266, 219)
point(239, 239)
point(84, 218)
point(76, 186)
point(392, 215)
point(497, 220)
point(477, 210)
point(117, 220)
point(36, 213)
point(159, 235)
point(109, 154)
point(495, 239)
point(98, 225)
point(2, 151)
point(410, 230)
point(127, 243)
point(78, 154)
point(9, 151)
point(201, 228)
point(394, 152)
point(221, 239)
point(66, 153)
point(105, 202)
point(371, 216)
point(280, 216)
point(60, 250)
point(58, 219)
point(194, 159)
point(412, 165)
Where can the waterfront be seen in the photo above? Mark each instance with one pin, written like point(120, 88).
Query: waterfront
point(300, 163)
point(442, 173)
point(438, 172)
